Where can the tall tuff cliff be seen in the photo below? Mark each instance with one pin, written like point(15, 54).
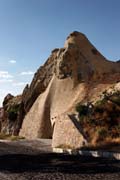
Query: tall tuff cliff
point(76, 73)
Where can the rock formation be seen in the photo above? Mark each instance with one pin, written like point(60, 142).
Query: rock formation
point(11, 115)
point(73, 74)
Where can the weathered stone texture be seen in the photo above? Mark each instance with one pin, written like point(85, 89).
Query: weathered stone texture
point(11, 115)
point(75, 73)
point(66, 134)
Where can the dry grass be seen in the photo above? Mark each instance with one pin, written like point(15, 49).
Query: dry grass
point(109, 145)
point(10, 137)
point(101, 122)
point(65, 146)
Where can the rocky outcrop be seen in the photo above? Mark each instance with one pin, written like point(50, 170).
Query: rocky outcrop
point(1, 116)
point(11, 115)
point(75, 73)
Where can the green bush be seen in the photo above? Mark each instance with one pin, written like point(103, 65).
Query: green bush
point(13, 112)
point(100, 102)
point(82, 109)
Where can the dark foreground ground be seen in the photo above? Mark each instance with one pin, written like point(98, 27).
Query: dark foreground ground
point(57, 166)
point(50, 166)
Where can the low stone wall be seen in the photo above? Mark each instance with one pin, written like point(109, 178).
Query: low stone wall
point(100, 153)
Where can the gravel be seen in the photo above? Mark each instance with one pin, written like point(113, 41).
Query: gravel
point(17, 163)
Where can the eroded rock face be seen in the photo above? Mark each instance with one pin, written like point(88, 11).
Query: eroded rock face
point(75, 73)
point(11, 115)
point(7, 99)
point(40, 81)
point(1, 117)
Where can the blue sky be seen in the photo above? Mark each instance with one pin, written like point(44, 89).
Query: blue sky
point(30, 29)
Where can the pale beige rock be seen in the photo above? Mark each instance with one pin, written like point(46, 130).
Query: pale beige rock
point(117, 86)
point(67, 134)
point(48, 106)
point(80, 74)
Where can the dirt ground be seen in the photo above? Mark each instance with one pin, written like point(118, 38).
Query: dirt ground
point(25, 146)
point(34, 160)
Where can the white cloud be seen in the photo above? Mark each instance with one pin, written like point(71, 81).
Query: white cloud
point(6, 80)
point(27, 73)
point(19, 84)
point(3, 92)
point(5, 75)
point(12, 61)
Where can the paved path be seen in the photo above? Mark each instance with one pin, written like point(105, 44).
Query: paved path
point(35, 164)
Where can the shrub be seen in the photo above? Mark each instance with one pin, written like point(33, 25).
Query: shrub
point(91, 122)
point(82, 109)
point(116, 131)
point(99, 109)
point(116, 100)
point(81, 118)
point(100, 102)
point(101, 120)
point(13, 112)
point(102, 133)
